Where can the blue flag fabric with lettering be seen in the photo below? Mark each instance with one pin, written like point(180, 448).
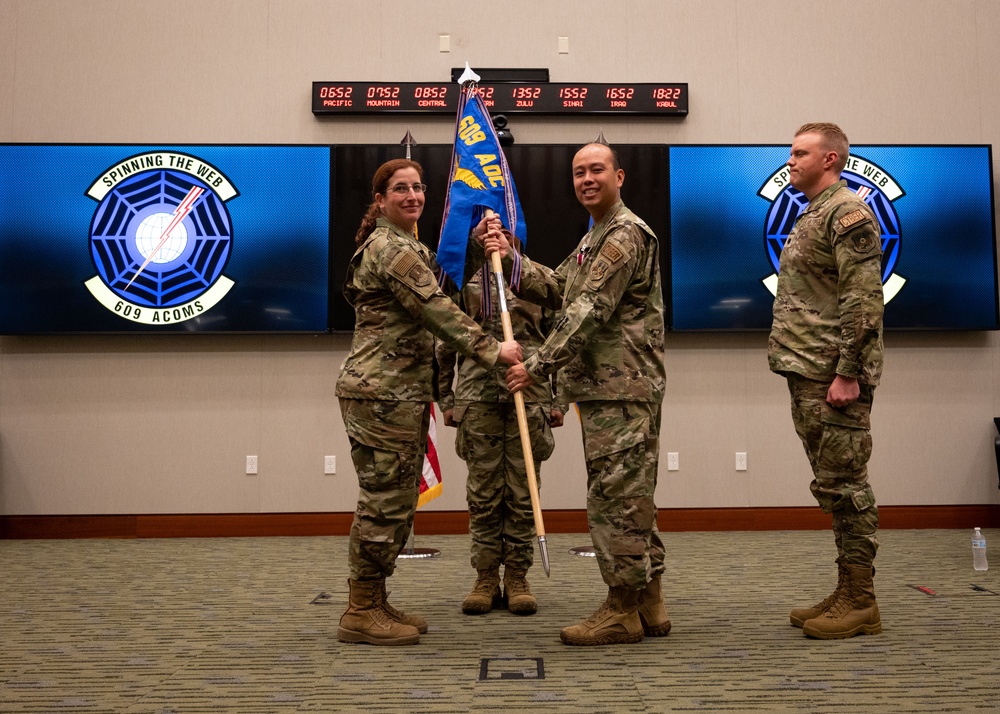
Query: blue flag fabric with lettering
point(479, 179)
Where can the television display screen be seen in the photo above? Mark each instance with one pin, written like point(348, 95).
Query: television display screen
point(543, 176)
point(732, 208)
point(144, 238)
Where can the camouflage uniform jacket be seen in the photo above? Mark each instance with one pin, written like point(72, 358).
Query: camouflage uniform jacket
point(608, 341)
point(399, 309)
point(529, 322)
point(829, 303)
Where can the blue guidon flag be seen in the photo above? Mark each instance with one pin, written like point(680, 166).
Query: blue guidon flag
point(479, 179)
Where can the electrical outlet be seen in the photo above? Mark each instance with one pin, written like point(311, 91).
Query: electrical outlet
point(251, 465)
point(329, 465)
point(741, 461)
point(673, 461)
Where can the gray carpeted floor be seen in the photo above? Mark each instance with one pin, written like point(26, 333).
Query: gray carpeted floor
point(249, 625)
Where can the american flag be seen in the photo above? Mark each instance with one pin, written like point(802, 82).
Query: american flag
point(430, 479)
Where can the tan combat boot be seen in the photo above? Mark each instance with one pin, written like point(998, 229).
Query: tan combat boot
point(652, 611)
point(485, 593)
point(365, 620)
point(855, 611)
point(801, 614)
point(615, 622)
point(400, 616)
point(520, 601)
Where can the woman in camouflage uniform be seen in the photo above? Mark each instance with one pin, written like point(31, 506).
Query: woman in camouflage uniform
point(385, 388)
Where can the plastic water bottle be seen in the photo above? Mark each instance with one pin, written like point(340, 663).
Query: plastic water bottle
point(979, 551)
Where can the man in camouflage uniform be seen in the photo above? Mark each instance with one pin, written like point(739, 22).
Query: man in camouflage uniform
point(608, 348)
point(501, 520)
point(826, 339)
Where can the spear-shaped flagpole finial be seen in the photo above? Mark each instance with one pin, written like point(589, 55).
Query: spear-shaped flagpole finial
point(468, 75)
point(409, 142)
point(600, 138)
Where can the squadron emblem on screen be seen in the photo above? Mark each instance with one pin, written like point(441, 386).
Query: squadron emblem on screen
point(160, 237)
point(875, 187)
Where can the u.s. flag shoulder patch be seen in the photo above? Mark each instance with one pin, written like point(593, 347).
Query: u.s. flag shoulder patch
point(402, 264)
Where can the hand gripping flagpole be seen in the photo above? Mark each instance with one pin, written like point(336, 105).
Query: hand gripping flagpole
point(522, 417)
point(468, 80)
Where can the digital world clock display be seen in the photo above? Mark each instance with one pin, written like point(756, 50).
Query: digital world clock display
point(651, 99)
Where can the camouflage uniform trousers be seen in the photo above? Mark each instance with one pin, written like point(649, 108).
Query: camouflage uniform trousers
point(621, 441)
point(388, 440)
point(501, 520)
point(838, 443)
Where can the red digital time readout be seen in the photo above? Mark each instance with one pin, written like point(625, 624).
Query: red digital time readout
point(620, 92)
point(384, 96)
point(525, 92)
point(333, 98)
point(429, 92)
point(388, 92)
point(672, 93)
point(486, 94)
point(431, 96)
point(524, 96)
point(336, 92)
point(336, 96)
point(573, 97)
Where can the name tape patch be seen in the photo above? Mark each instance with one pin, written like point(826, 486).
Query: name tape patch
point(851, 218)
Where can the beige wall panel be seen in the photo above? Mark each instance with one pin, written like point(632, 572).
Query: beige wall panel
point(316, 41)
point(402, 44)
point(932, 427)
point(300, 424)
point(180, 71)
point(8, 54)
point(520, 33)
point(74, 438)
point(888, 72)
point(128, 425)
point(683, 41)
point(564, 475)
point(704, 420)
point(562, 478)
point(453, 471)
point(933, 420)
point(986, 94)
point(779, 472)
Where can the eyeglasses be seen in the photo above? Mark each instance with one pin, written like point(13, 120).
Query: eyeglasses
point(401, 189)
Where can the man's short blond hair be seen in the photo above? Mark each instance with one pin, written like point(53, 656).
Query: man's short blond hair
point(834, 139)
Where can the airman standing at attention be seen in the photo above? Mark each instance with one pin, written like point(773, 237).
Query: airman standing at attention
point(501, 520)
point(826, 340)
